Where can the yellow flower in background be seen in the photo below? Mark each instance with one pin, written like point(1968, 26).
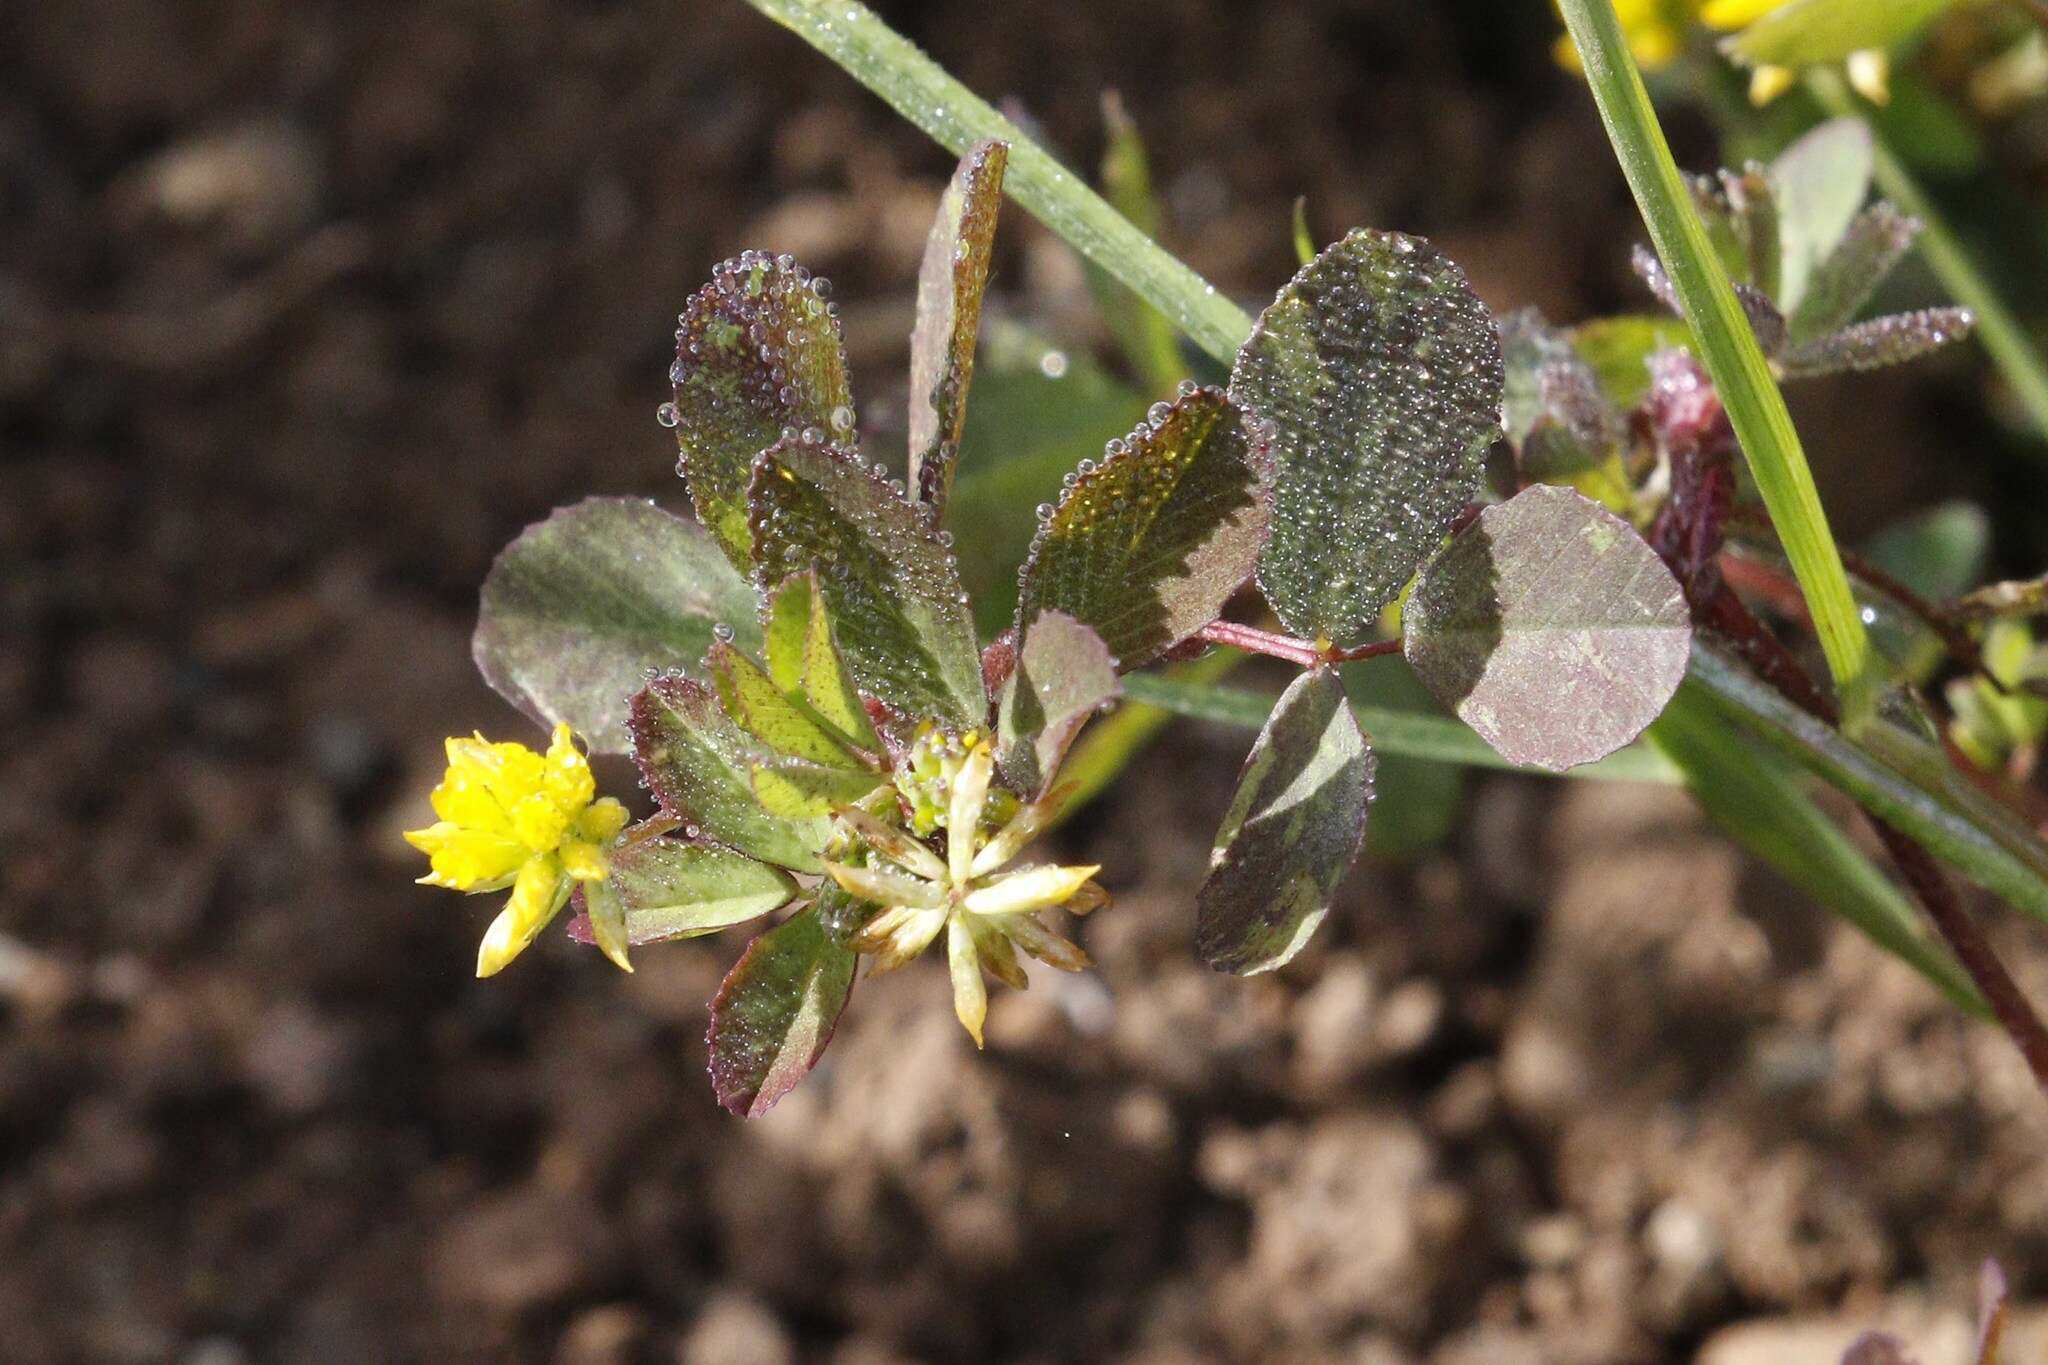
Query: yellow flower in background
point(1869, 70)
point(511, 817)
point(1655, 29)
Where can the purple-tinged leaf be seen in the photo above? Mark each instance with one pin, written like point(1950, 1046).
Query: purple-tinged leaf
point(1146, 547)
point(773, 1016)
point(1530, 348)
point(1764, 318)
point(891, 585)
point(671, 889)
point(1378, 372)
point(1877, 239)
point(582, 607)
point(1293, 830)
point(758, 351)
point(1063, 675)
point(1890, 340)
point(949, 289)
point(1550, 627)
point(699, 766)
point(1820, 181)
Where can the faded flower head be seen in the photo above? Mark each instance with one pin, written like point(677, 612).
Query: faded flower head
point(511, 817)
point(963, 885)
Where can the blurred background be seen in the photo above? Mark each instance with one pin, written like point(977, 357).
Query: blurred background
point(306, 308)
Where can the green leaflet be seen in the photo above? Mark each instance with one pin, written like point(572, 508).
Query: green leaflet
point(581, 607)
point(775, 1012)
point(1550, 628)
point(949, 287)
point(1820, 182)
point(672, 889)
point(890, 584)
point(785, 724)
point(805, 662)
point(698, 763)
point(1294, 828)
point(1146, 547)
point(758, 351)
point(1378, 373)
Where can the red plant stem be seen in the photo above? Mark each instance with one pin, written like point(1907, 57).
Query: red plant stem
point(1296, 651)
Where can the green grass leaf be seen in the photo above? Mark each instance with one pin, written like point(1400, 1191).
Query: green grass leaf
point(758, 351)
point(698, 764)
point(949, 288)
point(891, 586)
point(1550, 627)
point(1294, 828)
point(581, 607)
point(1379, 374)
point(1146, 547)
point(775, 1012)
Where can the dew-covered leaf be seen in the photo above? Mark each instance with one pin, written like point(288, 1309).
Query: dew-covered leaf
point(1293, 829)
point(949, 289)
point(1813, 32)
point(891, 586)
point(757, 350)
point(1876, 240)
point(1550, 627)
point(1147, 546)
point(783, 723)
point(698, 764)
point(1765, 320)
point(1063, 675)
point(1872, 345)
point(775, 1012)
point(1380, 373)
point(800, 789)
point(581, 607)
point(1820, 180)
point(671, 889)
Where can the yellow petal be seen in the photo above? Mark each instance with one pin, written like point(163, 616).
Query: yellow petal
point(583, 860)
point(1734, 14)
point(602, 821)
point(970, 992)
point(539, 822)
point(466, 859)
point(963, 816)
point(1766, 83)
point(463, 799)
point(568, 780)
point(893, 844)
point(1028, 889)
point(537, 897)
point(1042, 943)
point(1870, 71)
point(884, 887)
point(510, 772)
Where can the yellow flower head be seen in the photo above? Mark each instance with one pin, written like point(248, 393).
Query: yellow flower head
point(1869, 70)
point(511, 817)
point(988, 912)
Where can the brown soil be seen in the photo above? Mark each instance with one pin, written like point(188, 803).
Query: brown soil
point(306, 309)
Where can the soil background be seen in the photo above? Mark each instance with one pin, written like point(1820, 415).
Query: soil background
point(305, 309)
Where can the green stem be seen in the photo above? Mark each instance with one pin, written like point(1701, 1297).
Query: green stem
point(1736, 364)
point(2011, 349)
point(920, 89)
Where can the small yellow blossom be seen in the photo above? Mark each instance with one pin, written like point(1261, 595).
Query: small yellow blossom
point(511, 817)
point(1655, 30)
point(1869, 70)
point(987, 913)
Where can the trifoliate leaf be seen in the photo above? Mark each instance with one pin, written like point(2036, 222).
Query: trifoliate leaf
point(949, 289)
point(891, 586)
point(698, 764)
point(1293, 829)
point(773, 1016)
point(799, 789)
point(583, 606)
point(1063, 675)
point(671, 889)
point(1876, 241)
point(1820, 182)
point(1872, 345)
point(758, 351)
point(1379, 372)
point(1550, 627)
point(1811, 32)
point(1146, 547)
